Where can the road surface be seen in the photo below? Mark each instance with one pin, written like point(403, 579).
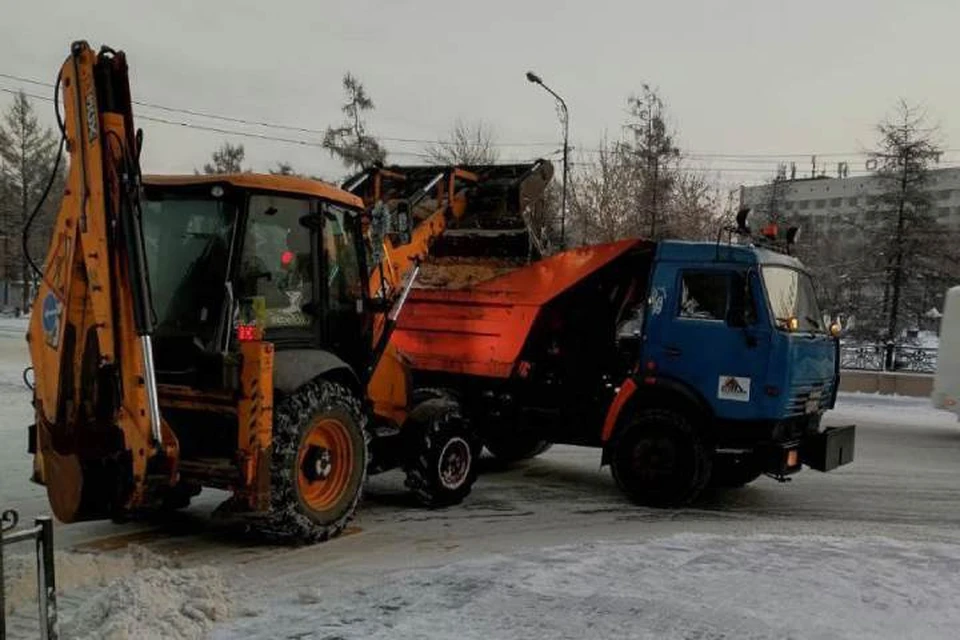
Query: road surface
point(902, 485)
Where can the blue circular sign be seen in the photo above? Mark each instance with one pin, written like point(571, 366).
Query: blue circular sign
point(51, 313)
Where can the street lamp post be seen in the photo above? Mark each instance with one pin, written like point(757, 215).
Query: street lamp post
point(565, 121)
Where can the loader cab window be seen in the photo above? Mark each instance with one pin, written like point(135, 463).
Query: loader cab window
point(187, 236)
point(344, 283)
point(276, 274)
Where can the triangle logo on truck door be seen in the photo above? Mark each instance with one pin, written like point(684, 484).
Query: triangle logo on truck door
point(734, 388)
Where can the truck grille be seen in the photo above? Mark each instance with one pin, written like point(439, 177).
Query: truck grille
point(809, 398)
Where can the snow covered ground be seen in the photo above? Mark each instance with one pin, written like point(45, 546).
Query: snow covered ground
point(682, 586)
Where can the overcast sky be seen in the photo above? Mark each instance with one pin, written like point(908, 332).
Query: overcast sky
point(739, 77)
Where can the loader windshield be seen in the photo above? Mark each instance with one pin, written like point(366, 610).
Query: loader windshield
point(187, 238)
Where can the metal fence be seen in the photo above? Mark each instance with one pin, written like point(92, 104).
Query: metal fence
point(42, 535)
point(888, 357)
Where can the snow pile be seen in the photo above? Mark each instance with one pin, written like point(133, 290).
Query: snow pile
point(134, 594)
point(876, 408)
point(153, 604)
point(685, 586)
point(73, 570)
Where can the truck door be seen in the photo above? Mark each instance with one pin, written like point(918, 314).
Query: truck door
point(704, 332)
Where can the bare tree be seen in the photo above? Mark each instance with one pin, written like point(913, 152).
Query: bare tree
point(467, 144)
point(227, 159)
point(27, 154)
point(350, 141)
point(695, 209)
point(656, 157)
point(905, 237)
point(283, 169)
point(602, 197)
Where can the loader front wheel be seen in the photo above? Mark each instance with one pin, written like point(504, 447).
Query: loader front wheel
point(659, 459)
point(441, 462)
point(319, 462)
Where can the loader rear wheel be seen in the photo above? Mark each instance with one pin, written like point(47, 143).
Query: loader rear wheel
point(319, 462)
point(441, 464)
point(659, 460)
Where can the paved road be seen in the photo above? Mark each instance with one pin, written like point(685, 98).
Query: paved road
point(903, 483)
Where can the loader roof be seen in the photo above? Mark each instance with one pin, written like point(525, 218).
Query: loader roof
point(262, 182)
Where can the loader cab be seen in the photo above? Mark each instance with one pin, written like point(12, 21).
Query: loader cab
point(238, 257)
point(740, 328)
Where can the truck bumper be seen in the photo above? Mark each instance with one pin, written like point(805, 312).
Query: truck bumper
point(828, 450)
point(823, 451)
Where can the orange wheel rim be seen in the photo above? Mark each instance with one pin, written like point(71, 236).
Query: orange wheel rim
point(324, 463)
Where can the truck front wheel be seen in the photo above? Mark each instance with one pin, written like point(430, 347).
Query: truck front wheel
point(659, 459)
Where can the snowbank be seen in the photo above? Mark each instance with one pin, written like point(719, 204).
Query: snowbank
point(116, 596)
point(891, 409)
point(685, 586)
point(153, 604)
point(73, 570)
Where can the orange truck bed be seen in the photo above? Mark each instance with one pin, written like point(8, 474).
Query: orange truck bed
point(481, 330)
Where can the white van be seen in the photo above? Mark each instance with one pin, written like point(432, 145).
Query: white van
point(946, 382)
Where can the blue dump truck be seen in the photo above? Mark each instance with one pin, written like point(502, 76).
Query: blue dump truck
point(690, 364)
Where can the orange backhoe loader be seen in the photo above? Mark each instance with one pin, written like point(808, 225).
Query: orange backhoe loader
point(217, 331)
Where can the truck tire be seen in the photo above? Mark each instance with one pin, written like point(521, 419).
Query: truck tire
point(508, 447)
point(319, 462)
point(730, 472)
point(659, 459)
point(441, 465)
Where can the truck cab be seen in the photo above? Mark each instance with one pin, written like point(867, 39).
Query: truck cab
point(741, 327)
point(738, 328)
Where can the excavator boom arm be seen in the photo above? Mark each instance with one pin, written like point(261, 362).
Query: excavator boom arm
point(98, 426)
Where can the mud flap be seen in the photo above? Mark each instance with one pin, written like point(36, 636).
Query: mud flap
point(828, 450)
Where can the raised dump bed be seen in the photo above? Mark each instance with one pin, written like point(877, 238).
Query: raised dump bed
point(479, 327)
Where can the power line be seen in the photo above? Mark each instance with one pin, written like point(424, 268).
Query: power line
point(272, 125)
point(737, 157)
point(231, 132)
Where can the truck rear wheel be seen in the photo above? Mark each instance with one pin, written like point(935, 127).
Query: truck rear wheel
point(659, 460)
point(319, 462)
point(441, 465)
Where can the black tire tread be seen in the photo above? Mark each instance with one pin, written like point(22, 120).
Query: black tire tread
point(432, 423)
point(672, 420)
point(285, 521)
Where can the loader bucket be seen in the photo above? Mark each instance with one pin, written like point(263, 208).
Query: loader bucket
point(487, 205)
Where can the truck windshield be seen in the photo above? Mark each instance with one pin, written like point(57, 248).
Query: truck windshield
point(792, 295)
point(187, 241)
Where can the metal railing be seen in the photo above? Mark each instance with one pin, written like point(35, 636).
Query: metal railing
point(888, 357)
point(42, 534)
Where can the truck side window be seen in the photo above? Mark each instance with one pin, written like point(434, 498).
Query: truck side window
point(704, 295)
